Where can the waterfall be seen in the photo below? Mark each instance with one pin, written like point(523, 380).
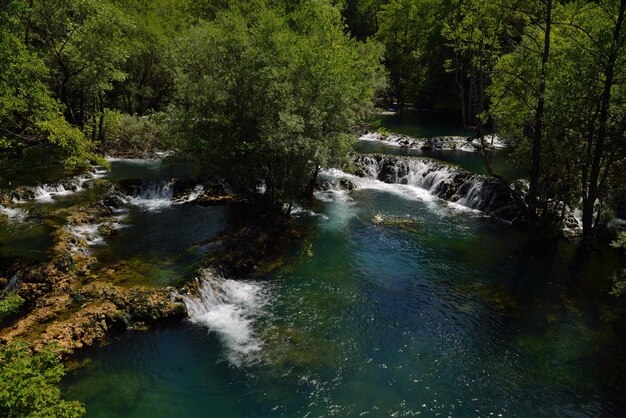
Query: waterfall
point(195, 193)
point(14, 214)
point(154, 195)
point(45, 193)
point(441, 180)
point(460, 143)
point(229, 308)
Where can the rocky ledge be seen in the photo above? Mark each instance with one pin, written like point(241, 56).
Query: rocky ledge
point(66, 303)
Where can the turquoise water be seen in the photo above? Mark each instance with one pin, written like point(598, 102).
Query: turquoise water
point(457, 316)
point(395, 304)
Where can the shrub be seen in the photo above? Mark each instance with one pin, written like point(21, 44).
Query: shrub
point(29, 383)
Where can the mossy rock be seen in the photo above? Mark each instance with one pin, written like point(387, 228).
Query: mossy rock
point(405, 224)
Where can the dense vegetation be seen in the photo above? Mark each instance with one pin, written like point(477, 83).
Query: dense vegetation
point(267, 92)
point(29, 383)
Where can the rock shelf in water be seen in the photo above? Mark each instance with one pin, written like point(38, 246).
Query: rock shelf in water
point(461, 143)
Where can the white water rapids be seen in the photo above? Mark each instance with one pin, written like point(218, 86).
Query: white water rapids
point(229, 308)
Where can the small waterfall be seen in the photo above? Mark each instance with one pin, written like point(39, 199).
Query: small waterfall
point(13, 283)
point(154, 195)
point(89, 233)
point(14, 214)
point(229, 308)
point(45, 193)
point(473, 197)
point(460, 143)
point(195, 193)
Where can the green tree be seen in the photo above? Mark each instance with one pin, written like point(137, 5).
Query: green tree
point(268, 98)
point(29, 115)
point(84, 43)
point(148, 85)
point(477, 32)
point(411, 32)
point(29, 384)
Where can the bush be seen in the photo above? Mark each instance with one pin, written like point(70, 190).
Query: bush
point(132, 135)
point(10, 303)
point(29, 383)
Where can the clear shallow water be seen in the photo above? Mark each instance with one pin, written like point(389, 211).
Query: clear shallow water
point(459, 316)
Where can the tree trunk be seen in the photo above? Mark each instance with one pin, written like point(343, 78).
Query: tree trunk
point(599, 150)
point(101, 121)
point(535, 169)
point(310, 188)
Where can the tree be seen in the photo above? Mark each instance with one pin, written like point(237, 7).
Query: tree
point(477, 32)
point(519, 91)
point(148, 85)
point(29, 115)
point(268, 97)
point(362, 17)
point(562, 98)
point(84, 44)
point(411, 32)
point(610, 49)
point(29, 384)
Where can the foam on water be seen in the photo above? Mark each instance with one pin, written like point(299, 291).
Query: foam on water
point(154, 197)
point(14, 214)
point(459, 143)
point(229, 308)
point(405, 191)
point(45, 193)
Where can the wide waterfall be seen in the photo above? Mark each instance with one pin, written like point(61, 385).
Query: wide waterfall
point(441, 180)
point(45, 193)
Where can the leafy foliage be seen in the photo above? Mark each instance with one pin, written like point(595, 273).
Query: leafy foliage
point(270, 97)
point(29, 114)
point(28, 384)
point(10, 303)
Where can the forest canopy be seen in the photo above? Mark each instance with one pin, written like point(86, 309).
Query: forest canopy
point(267, 92)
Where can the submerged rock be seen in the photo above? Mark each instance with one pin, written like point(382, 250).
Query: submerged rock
point(403, 223)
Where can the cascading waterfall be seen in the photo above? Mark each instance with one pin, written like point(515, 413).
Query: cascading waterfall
point(441, 180)
point(154, 195)
point(45, 193)
point(229, 308)
point(14, 214)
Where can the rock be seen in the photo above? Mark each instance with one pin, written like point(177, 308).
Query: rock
point(452, 183)
point(346, 184)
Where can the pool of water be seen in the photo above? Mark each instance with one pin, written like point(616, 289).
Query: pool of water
point(457, 315)
point(423, 124)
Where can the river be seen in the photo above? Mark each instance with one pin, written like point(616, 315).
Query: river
point(396, 304)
